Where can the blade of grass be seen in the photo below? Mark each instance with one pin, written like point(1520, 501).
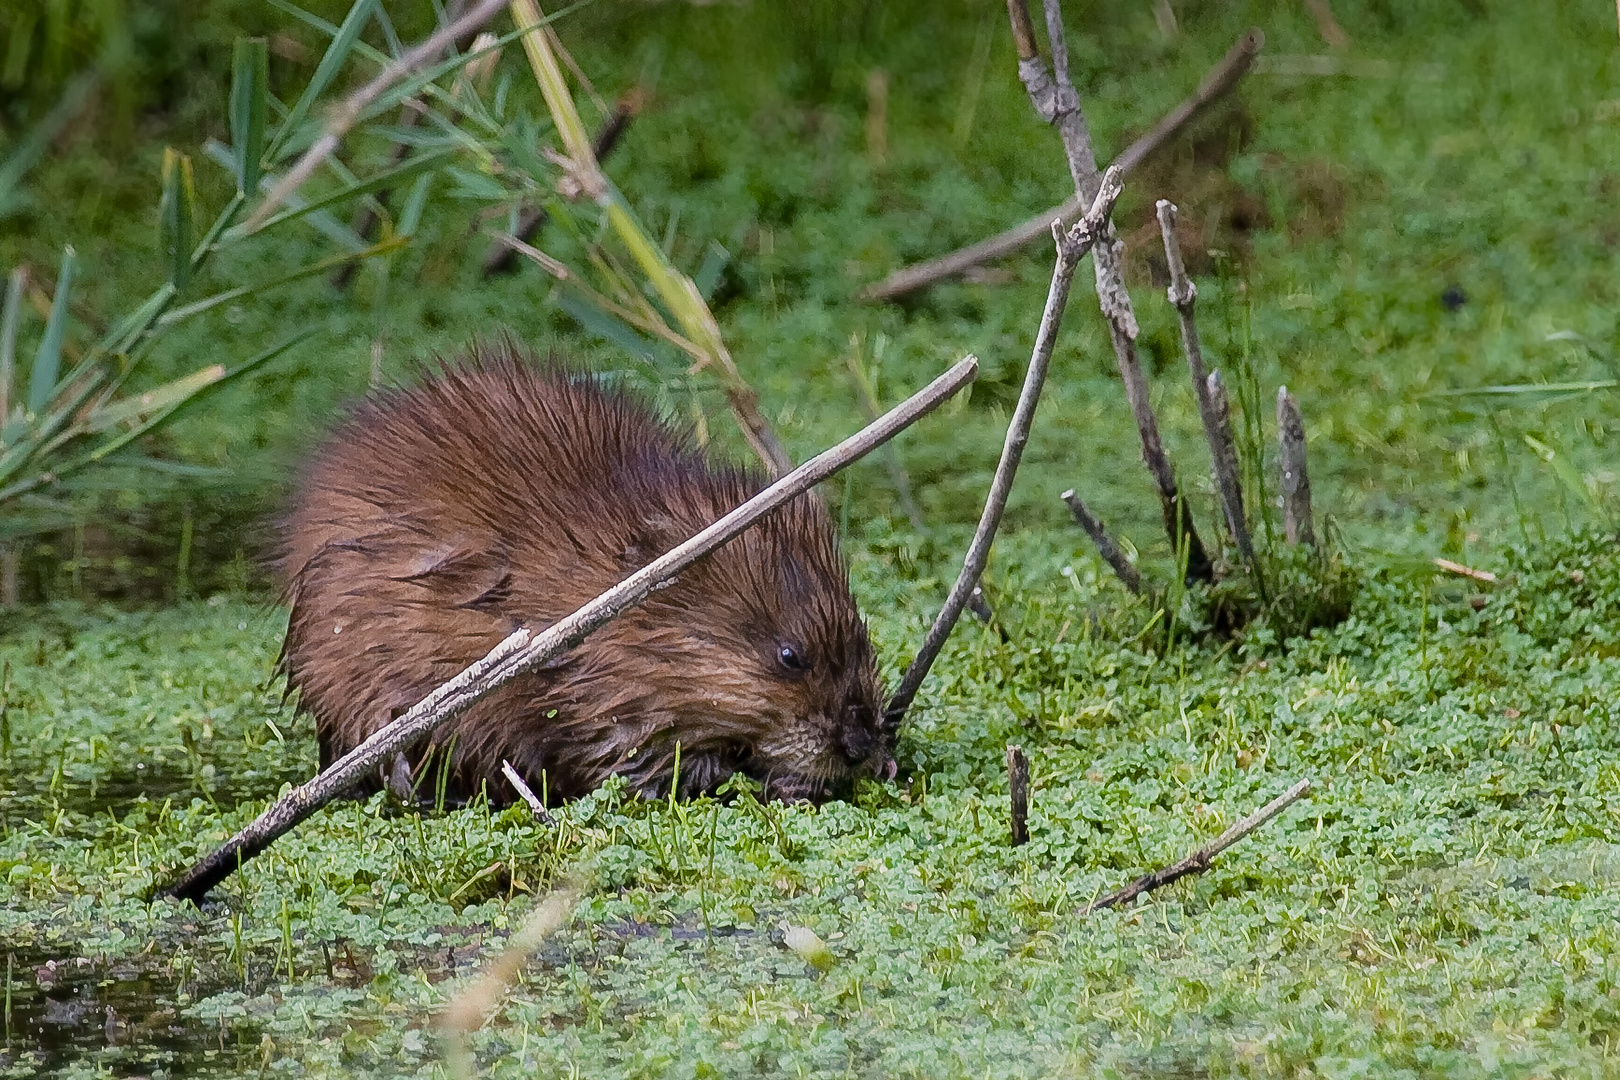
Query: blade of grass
point(48, 360)
point(175, 214)
point(1551, 450)
point(382, 247)
point(9, 322)
point(250, 87)
point(376, 182)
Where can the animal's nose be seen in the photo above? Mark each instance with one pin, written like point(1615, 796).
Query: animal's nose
point(856, 744)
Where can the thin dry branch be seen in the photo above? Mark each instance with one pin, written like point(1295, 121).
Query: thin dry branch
point(366, 219)
point(1199, 861)
point(1056, 100)
point(1466, 571)
point(525, 649)
point(1071, 248)
point(526, 793)
point(1217, 432)
point(348, 113)
point(1216, 84)
point(1110, 552)
point(1296, 481)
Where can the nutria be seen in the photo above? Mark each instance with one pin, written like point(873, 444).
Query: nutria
point(506, 491)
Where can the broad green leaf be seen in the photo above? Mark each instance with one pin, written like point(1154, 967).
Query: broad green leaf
point(337, 54)
point(48, 360)
point(250, 90)
point(175, 215)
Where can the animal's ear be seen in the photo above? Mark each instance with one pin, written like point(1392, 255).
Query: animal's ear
point(462, 576)
point(651, 535)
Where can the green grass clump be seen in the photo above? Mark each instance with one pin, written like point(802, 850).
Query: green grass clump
point(1440, 904)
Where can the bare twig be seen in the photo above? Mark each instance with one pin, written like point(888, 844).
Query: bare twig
point(1466, 571)
point(1056, 100)
point(1110, 552)
point(1199, 861)
point(1296, 481)
point(10, 586)
point(1184, 295)
point(1071, 248)
point(1018, 793)
point(526, 793)
point(468, 1010)
point(1215, 85)
point(1327, 26)
point(525, 649)
point(502, 259)
point(349, 112)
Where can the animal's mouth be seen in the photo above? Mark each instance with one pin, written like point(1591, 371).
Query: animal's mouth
point(804, 787)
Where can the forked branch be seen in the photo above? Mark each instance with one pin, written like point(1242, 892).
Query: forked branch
point(1216, 84)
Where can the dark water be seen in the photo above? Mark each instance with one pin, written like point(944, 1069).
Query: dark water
point(125, 1017)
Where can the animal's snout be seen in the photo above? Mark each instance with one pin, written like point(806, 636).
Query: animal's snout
point(856, 745)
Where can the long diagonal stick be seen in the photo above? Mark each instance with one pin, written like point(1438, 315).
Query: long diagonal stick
point(526, 649)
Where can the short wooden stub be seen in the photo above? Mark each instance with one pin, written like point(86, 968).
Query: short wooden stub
point(1296, 482)
point(1018, 791)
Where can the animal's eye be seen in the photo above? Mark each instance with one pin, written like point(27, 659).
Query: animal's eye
point(789, 658)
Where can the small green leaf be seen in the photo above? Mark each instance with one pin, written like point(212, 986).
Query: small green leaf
point(48, 360)
point(411, 216)
point(176, 213)
point(250, 88)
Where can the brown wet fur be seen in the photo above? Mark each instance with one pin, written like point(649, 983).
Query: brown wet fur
point(506, 492)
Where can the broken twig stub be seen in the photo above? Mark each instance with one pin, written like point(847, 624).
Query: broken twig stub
point(1183, 296)
point(1110, 552)
point(1018, 794)
point(1296, 481)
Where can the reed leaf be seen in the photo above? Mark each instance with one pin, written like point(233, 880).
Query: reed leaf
point(250, 89)
point(175, 214)
point(48, 360)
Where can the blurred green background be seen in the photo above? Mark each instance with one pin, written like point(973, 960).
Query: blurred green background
point(1439, 214)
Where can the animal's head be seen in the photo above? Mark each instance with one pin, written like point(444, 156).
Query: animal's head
point(765, 666)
